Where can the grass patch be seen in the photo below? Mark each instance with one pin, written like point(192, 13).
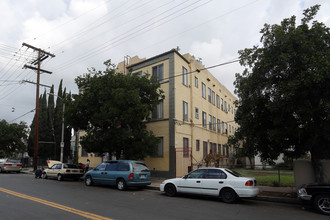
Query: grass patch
point(269, 177)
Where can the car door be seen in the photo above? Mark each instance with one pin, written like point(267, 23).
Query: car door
point(51, 171)
point(192, 182)
point(97, 173)
point(214, 180)
point(111, 173)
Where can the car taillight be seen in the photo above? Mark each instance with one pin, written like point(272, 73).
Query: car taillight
point(67, 171)
point(131, 176)
point(19, 165)
point(249, 183)
point(8, 165)
point(81, 171)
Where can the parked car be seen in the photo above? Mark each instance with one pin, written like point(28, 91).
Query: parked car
point(318, 195)
point(10, 165)
point(62, 170)
point(224, 183)
point(119, 173)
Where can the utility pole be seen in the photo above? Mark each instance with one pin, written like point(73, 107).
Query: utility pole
point(42, 55)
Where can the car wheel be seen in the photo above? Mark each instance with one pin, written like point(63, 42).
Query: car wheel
point(0, 170)
point(59, 177)
point(121, 184)
point(44, 176)
point(170, 190)
point(228, 195)
point(322, 204)
point(88, 181)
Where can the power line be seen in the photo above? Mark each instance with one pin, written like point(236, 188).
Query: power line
point(22, 115)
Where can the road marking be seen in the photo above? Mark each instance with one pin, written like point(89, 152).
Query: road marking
point(56, 205)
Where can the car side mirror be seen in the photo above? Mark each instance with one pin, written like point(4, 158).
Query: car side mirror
point(185, 177)
point(96, 169)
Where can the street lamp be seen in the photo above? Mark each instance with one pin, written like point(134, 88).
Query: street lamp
point(62, 135)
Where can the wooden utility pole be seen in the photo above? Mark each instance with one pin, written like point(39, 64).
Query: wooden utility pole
point(42, 55)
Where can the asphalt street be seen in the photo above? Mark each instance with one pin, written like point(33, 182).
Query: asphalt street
point(24, 197)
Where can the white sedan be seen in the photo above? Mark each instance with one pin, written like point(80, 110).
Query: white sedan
point(224, 183)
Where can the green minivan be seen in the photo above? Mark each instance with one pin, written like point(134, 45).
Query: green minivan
point(119, 173)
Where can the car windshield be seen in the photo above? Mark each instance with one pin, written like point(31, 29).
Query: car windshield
point(234, 173)
point(72, 166)
point(140, 167)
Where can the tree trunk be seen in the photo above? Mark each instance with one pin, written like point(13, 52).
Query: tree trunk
point(318, 169)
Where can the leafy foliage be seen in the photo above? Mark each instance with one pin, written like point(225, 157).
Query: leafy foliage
point(112, 109)
point(284, 93)
point(12, 138)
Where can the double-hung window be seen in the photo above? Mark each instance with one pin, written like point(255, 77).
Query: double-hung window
point(158, 112)
point(218, 101)
point(218, 123)
point(203, 90)
point(213, 98)
point(185, 147)
point(184, 76)
point(196, 113)
point(210, 122)
point(185, 111)
point(158, 72)
point(209, 94)
point(196, 82)
point(204, 119)
point(214, 124)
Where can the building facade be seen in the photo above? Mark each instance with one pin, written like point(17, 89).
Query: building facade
point(195, 118)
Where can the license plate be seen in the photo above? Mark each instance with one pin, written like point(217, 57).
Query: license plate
point(74, 171)
point(143, 176)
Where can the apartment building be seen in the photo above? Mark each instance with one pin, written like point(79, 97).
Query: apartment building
point(195, 118)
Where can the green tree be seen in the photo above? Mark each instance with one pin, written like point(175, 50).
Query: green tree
point(284, 93)
point(50, 127)
point(12, 138)
point(112, 108)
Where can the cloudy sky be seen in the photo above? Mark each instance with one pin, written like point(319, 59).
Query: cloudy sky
point(85, 33)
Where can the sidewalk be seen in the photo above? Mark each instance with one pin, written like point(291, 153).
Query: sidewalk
point(267, 193)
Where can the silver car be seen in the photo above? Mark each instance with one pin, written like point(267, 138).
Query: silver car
point(10, 165)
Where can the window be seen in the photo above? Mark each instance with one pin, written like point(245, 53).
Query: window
point(214, 148)
point(225, 106)
point(222, 104)
point(226, 128)
point(184, 76)
point(218, 101)
point(83, 152)
point(157, 72)
point(228, 107)
point(209, 94)
point(111, 166)
point(210, 122)
point(196, 113)
point(197, 174)
point(139, 74)
point(218, 123)
point(213, 98)
point(197, 145)
point(185, 147)
point(100, 167)
point(215, 174)
point(223, 127)
point(204, 119)
point(158, 112)
point(219, 148)
point(160, 148)
point(196, 82)
point(203, 90)
point(204, 149)
point(214, 124)
point(185, 111)
point(229, 128)
point(123, 166)
point(211, 149)
point(223, 150)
